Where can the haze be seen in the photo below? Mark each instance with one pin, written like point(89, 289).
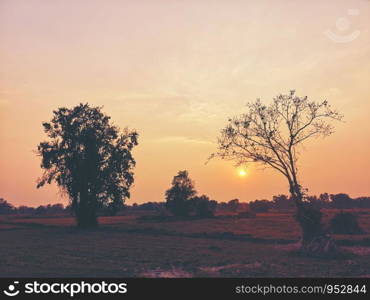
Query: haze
point(175, 71)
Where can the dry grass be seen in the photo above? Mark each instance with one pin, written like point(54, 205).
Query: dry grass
point(123, 246)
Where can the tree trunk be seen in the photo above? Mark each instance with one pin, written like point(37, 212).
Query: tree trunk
point(86, 213)
point(309, 218)
point(86, 220)
point(314, 241)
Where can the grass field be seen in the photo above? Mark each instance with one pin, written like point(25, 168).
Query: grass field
point(127, 246)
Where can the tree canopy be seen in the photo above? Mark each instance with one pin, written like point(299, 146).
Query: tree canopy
point(178, 196)
point(89, 158)
point(271, 134)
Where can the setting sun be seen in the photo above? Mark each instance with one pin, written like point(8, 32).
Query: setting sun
point(242, 173)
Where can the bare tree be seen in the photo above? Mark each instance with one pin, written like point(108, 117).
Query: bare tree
point(271, 136)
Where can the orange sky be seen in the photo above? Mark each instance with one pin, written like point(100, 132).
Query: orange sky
point(175, 71)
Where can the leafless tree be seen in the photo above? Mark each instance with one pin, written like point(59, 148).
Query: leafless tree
point(271, 135)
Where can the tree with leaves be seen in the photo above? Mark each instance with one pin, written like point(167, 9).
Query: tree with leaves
point(271, 135)
point(202, 206)
point(179, 195)
point(89, 158)
point(5, 207)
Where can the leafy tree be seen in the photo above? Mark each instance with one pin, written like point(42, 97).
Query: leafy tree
point(233, 205)
point(282, 202)
point(180, 193)
point(324, 198)
point(5, 207)
point(202, 206)
point(260, 206)
point(362, 202)
point(25, 210)
point(110, 208)
point(89, 158)
point(271, 135)
point(341, 201)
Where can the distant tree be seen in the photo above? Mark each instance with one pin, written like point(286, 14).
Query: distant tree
point(271, 135)
point(341, 201)
point(25, 210)
point(49, 209)
point(57, 208)
point(283, 202)
point(180, 193)
point(260, 206)
point(222, 205)
point(156, 206)
point(233, 205)
point(314, 201)
point(362, 202)
point(40, 210)
point(213, 204)
point(324, 198)
point(110, 208)
point(89, 158)
point(202, 206)
point(5, 207)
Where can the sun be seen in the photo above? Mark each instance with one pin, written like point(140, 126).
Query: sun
point(242, 173)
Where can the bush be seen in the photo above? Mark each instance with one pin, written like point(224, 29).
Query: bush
point(345, 223)
point(5, 207)
point(260, 206)
point(202, 206)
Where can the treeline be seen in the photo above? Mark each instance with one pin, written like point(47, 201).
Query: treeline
point(279, 202)
point(7, 208)
point(325, 200)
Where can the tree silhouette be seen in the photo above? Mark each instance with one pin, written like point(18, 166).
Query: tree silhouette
point(282, 202)
point(180, 193)
point(203, 206)
point(89, 158)
point(341, 201)
point(233, 205)
point(5, 207)
point(271, 135)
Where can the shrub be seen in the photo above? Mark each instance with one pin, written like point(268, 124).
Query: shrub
point(345, 223)
point(202, 206)
point(260, 206)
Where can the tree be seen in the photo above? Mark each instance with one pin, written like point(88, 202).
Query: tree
point(179, 195)
point(25, 210)
point(282, 202)
point(89, 158)
point(324, 200)
point(233, 205)
point(341, 201)
point(202, 206)
point(260, 206)
point(271, 136)
point(5, 207)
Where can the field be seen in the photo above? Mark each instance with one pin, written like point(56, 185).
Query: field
point(131, 246)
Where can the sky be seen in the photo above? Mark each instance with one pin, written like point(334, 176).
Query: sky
point(176, 71)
